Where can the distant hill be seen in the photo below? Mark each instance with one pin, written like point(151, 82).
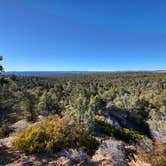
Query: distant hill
point(41, 73)
point(51, 73)
point(162, 71)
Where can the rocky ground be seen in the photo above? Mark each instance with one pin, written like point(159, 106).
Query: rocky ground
point(110, 152)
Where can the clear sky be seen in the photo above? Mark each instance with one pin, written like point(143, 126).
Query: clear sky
point(88, 35)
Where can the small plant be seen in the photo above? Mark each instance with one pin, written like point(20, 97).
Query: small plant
point(53, 135)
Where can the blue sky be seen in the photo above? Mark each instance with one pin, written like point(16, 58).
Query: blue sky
point(93, 35)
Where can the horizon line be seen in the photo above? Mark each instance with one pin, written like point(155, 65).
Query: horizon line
point(134, 70)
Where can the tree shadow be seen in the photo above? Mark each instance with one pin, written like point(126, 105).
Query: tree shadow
point(7, 156)
point(131, 119)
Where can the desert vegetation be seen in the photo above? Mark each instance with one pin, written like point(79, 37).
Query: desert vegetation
point(80, 111)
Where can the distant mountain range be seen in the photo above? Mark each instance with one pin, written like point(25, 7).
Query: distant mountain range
point(41, 73)
point(49, 73)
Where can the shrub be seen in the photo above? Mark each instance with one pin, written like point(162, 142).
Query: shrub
point(124, 134)
point(157, 155)
point(130, 135)
point(104, 126)
point(53, 135)
point(159, 160)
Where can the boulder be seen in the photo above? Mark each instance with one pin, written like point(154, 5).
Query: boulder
point(20, 126)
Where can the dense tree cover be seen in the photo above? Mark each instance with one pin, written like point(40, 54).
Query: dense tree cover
point(84, 96)
point(80, 107)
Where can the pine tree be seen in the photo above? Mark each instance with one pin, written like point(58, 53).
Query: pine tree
point(28, 105)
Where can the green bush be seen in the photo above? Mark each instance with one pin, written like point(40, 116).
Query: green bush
point(104, 126)
point(123, 134)
point(53, 135)
point(130, 135)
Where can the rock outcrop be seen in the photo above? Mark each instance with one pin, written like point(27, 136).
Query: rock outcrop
point(111, 152)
